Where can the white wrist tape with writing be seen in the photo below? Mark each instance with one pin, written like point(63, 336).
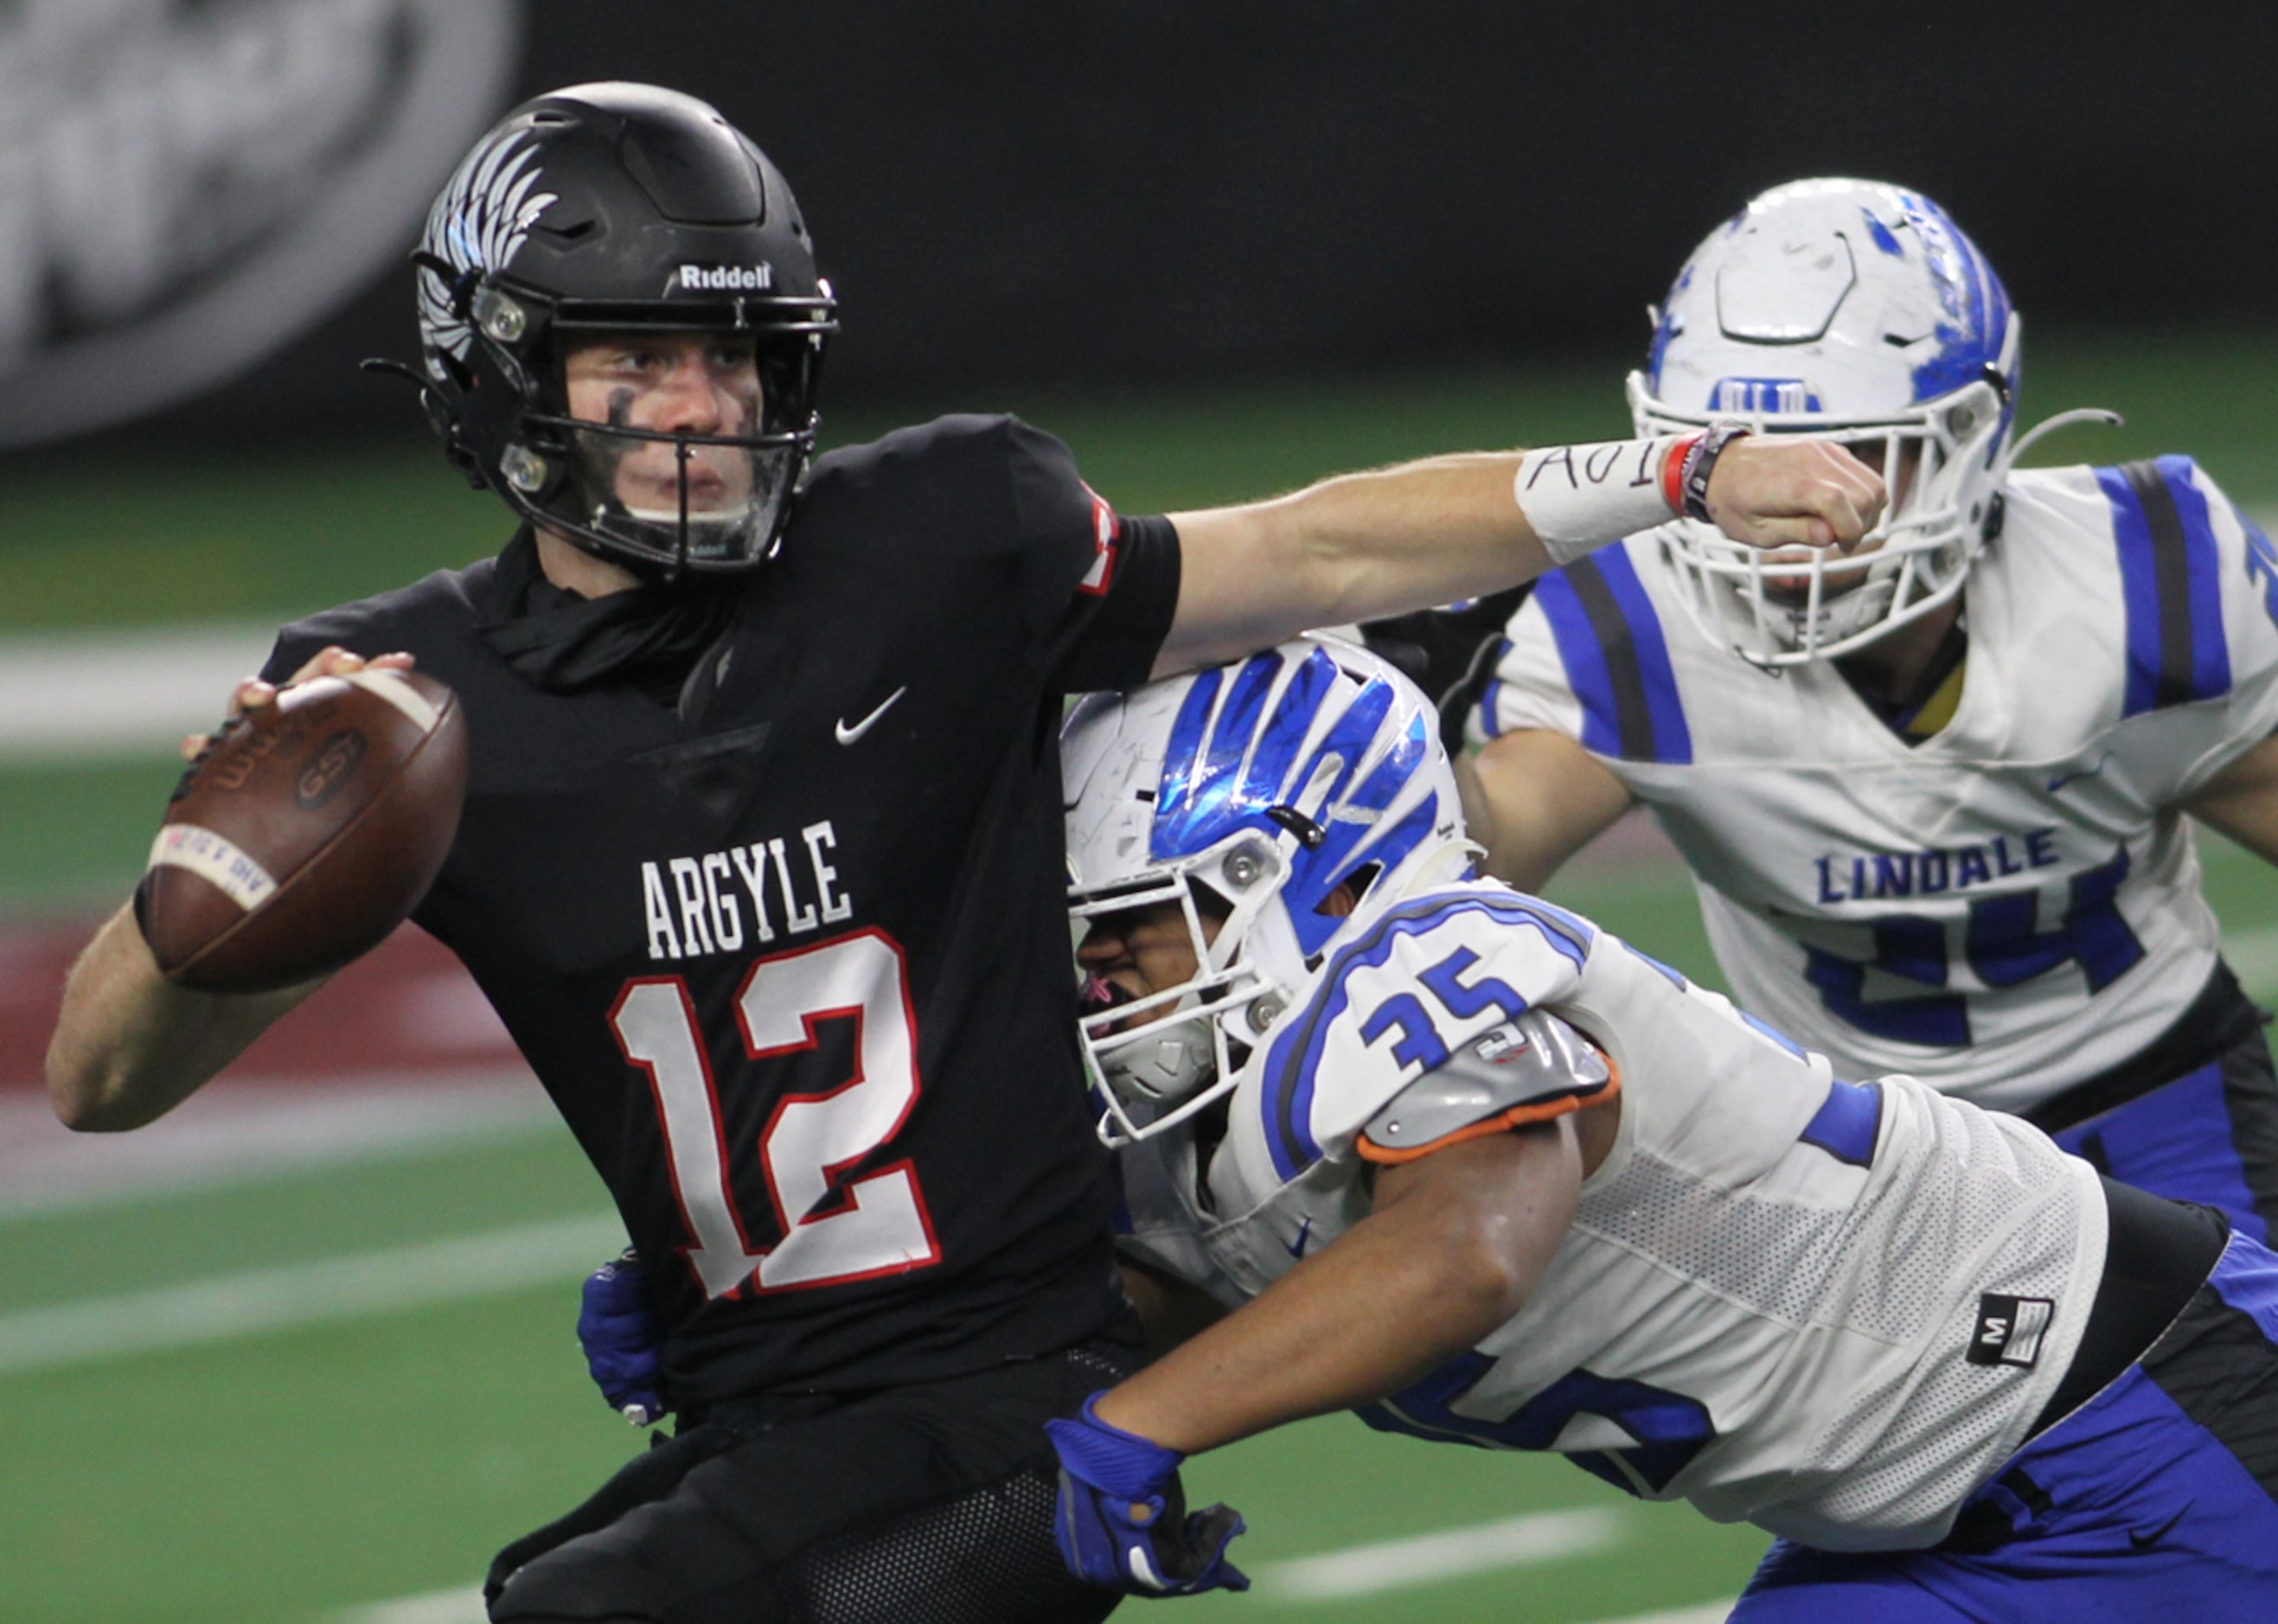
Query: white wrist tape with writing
point(1579, 497)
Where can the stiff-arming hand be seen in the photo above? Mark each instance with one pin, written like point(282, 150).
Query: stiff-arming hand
point(1122, 1519)
point(1772, 491)
point(624, 1340)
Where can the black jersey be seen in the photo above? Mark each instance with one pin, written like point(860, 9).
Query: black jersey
point(792, 959)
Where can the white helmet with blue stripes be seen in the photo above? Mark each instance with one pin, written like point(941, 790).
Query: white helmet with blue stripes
point(1855, 311)
point(1255, 790)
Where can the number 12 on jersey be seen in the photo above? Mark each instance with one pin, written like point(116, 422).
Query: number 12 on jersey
point(877, 1224)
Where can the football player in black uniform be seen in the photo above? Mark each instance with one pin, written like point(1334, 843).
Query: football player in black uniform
point(761, 857)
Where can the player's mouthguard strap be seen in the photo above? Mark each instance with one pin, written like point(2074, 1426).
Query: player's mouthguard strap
point(1098, 994)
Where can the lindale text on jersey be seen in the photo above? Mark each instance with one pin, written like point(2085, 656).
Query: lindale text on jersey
point(1865, 876)
point(716, 903)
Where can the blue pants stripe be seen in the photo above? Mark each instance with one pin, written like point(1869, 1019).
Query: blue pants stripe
point(2143, 1504)
point(2211, 1136)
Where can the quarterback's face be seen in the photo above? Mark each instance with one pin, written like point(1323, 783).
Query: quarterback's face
point(669, 383)
point(1144, 950)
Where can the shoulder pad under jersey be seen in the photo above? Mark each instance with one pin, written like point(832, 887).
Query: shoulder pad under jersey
point(1533, 1067)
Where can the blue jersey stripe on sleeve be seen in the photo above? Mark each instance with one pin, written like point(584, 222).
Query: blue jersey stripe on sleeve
point(1672, 741)
point(2170, 580)
point(2131, 538)
point(2203, 557)
point(1585, 662)
point(1617, 660)
point(1845, 1124)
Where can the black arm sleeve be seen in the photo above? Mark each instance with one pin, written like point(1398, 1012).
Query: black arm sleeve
point(1098, 590)
point(1114, 635)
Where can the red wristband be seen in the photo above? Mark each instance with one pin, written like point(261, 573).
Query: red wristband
point(1673, 472)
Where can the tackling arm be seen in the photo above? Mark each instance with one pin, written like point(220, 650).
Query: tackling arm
point(1456, 1241)
point(1170, 1311)
point(1362, 546)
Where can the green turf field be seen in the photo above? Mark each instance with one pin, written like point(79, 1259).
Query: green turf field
point(300, 1472)
point(292, 1475)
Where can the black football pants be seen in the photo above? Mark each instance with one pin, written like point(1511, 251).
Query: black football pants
point(923, 1505)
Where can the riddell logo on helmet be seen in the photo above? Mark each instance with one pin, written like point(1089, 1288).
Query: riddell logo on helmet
point(728, 278)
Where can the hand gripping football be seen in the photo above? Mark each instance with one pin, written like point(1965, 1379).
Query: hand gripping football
point(306, 832)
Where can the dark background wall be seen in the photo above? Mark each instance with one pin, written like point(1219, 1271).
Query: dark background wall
point(1096, 194)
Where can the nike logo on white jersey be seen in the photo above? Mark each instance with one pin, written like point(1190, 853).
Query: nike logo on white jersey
point(847, 735)
point(2062, 779)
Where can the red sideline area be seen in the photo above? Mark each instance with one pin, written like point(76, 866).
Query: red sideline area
point(406, 1007)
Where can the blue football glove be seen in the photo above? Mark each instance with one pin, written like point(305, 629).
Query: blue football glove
point(624, 1340)
point(1122, 1519)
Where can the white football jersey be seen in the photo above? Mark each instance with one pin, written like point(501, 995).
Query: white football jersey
point(2008, 907)
point(1830, 1309)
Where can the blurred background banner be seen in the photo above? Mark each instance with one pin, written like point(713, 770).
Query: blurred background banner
point(1088, 191)
point(185, 189)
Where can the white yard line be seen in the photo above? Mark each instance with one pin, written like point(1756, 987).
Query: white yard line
point(465, 1606)
point(1541, 1537)
point(117, 694)
point(230, 1307)
point(242, 1132)
point(459, 1607)
point(1453, 1553)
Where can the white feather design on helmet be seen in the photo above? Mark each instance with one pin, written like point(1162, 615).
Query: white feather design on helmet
point(479, 223)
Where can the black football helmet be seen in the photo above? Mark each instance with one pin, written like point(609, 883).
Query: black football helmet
point(598, 209)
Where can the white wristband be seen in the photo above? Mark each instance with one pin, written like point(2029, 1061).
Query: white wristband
point(1579, 497)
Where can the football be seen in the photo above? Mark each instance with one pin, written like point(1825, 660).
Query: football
point(306, 831)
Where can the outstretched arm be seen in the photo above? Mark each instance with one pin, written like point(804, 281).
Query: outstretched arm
point(1365, 545)
point(1456, 1242)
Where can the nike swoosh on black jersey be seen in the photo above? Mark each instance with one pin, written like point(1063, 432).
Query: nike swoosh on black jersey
point(848, 735)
